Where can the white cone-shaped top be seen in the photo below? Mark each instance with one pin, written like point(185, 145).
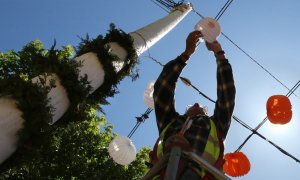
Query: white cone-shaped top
point(145, 37)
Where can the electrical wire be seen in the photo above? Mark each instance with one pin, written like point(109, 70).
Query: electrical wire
point(254, 131)
point(140, 120)
point(258, 63)
point(223, 9)
point(169, 4)
point(160, 6)
point(266, 118)
point(221, 12)
point(264, 138)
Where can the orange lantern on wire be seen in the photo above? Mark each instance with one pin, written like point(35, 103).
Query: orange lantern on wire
point(279, 109)
point(236, 164)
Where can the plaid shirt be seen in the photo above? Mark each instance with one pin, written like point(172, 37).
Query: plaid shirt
point(197, 134)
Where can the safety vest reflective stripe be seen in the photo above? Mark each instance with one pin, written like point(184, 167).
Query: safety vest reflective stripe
point(160, 149)
point(212, 148)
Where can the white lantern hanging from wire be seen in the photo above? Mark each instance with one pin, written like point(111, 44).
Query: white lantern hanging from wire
point(148, 95)
point(210, 29)
point(122, 150)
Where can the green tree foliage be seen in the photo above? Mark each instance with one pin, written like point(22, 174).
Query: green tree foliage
point(75, 147)
point(77, 150)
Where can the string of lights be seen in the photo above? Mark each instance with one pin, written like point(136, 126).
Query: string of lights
point(254, 131)
point(264, 138)
point(221, 12)
point(187, 82)
point(266, 118)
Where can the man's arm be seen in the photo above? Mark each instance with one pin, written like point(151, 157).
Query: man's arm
point(225, 90)
point(164, 87)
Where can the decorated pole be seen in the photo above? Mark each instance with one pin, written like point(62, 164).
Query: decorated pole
point(102, 71)
point(143, 39)
point(147, 36)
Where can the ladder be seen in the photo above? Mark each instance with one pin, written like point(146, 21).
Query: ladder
point(172, 161)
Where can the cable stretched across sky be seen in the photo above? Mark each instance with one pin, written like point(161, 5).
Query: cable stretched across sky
point(170, 3)
point(139, 120)
point(254, 131)
point(223, 9)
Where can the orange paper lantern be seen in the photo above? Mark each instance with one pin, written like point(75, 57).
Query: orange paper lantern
point(279, 109)
point(236, 164)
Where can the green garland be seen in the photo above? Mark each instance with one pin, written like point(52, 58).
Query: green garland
point(32, 100)
point(60, 63)
point(100, 47)
point(17, 68)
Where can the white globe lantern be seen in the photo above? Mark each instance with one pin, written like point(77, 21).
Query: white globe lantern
point(210, 29)
point(148, 95)
point(122, 150)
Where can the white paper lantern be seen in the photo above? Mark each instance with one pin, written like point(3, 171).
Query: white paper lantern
point(122, 150)
point(148, 95)
point(210, 29)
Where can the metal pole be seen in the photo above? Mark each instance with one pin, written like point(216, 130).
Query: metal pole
point(208, 167)
point(173, 163)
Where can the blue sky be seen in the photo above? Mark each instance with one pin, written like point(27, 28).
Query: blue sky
point(267, 30)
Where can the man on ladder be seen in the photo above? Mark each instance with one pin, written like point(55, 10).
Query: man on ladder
point(194, 131)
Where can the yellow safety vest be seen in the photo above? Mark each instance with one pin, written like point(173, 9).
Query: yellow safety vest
point(212, 148)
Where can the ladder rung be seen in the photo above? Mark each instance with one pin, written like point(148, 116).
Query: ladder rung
point(208, 167)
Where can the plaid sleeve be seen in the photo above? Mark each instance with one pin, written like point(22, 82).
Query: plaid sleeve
point(225, 97)
point(164, 89)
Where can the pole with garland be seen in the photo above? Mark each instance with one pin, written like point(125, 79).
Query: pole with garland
point(38, 87)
